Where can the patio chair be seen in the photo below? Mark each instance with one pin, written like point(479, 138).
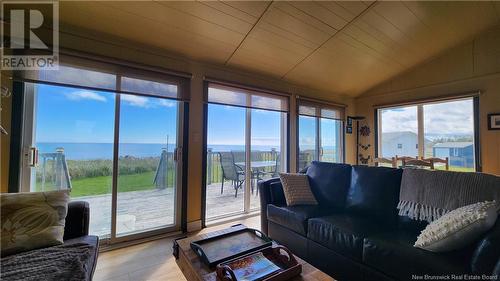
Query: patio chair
point(402, 159)
point(435, 160)
point(231, 171)
point(305, 159)
point(418, 163)
point(274, 169)
point(381, 160)
point(260, 175)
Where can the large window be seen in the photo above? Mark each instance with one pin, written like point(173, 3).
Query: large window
point(320, 136)
point(246, 142)
point(113, 138)
point(442, 129)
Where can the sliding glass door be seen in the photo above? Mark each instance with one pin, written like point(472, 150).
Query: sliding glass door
point(69, 145)
point(146, 189)
point(246, 142)
point(320, 134)
point(118, 151)
point(225, 154)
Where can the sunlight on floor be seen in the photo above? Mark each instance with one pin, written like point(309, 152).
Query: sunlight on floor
point(149, 261)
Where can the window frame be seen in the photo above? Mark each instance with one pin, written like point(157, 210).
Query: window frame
point(251, 90)
point(474, 96)
point(319, 106)
point(118, 68)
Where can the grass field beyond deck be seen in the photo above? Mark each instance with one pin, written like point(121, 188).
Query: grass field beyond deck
point(102, 185)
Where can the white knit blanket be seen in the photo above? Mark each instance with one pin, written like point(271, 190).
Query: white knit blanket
point(427, 195)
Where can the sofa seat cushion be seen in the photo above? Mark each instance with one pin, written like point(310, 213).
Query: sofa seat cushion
point(393, 253)
point(73, 260)
point(295, 217)
point(343, 233)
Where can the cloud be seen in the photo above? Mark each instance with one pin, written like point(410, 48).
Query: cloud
point(136, 101)
point(269, 141)
point(77, 76)
point(167, 103)
point(85, 95)
point(399, 120)
point(444, 118)
point(146, 102)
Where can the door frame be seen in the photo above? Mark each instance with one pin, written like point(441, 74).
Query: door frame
point(27, 134)
point(318, 150)
point(24, 124)
point(285, 122)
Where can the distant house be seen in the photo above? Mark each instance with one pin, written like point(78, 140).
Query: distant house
point(399, 143)
point(460, 153)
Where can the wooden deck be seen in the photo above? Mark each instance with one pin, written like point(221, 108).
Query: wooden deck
point(138, 210)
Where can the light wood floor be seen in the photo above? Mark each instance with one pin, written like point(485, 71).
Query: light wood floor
point(149, 261)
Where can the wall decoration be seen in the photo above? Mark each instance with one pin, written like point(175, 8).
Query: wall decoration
point(348, 125)
point(357, 119)
point(364, 130)
point(494, 121)
point(365, 147)
point(364, 160)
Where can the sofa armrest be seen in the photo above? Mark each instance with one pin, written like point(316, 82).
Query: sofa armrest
point(269, 191)
point(77, 220)
point(486, 257)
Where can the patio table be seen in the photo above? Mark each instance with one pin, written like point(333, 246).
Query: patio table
point(256, 167)
point(257, 164)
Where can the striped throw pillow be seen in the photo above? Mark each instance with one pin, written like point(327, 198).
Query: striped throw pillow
point(297, 190)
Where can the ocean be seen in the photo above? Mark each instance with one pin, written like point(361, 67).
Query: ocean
point(88, 151)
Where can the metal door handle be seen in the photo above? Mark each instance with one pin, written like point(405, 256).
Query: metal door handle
point(177, 153)
point(33, 154)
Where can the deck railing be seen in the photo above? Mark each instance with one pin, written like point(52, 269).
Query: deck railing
point(214, 170)
point(54, 171)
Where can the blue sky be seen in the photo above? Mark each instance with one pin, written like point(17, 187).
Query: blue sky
point(74, 115)
point(226, 126)
point(307, 132)
point(69, 115)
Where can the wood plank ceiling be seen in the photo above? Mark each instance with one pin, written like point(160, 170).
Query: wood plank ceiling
point(341, 47)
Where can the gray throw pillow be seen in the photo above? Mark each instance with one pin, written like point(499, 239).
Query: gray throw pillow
point(32, 220)
point(297, 190)
point(458, 228)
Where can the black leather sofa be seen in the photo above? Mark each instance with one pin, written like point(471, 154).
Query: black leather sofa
point(355, 233)
point(76, 238)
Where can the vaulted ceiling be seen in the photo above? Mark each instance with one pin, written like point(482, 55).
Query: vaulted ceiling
point(342, 47)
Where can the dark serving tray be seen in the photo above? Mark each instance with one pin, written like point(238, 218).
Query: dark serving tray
point(281, 257)
point(226, 246)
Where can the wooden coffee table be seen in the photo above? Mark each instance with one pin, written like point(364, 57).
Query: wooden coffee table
point(195, 270)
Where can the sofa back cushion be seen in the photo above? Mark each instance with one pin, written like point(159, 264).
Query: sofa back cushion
point(374, 191)
point(329, 183)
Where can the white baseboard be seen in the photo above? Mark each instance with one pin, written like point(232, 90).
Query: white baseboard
point(194, 226)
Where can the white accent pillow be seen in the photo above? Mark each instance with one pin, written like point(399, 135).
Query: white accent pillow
point(458, 228)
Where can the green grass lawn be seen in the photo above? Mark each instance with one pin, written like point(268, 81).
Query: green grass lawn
point(102, 185)
point(456, 169)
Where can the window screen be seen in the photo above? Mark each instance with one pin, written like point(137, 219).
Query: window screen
point(234, 96)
